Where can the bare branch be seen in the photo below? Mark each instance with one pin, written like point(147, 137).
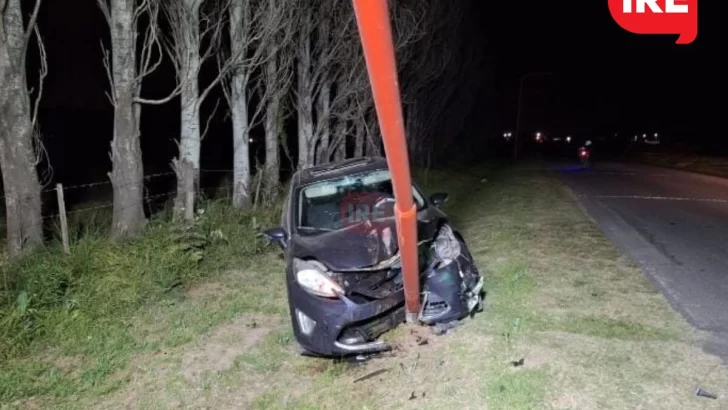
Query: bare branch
point(43, 72)
point(160, 101)
point(209, 119)
point(109, 75)
point(139, 10)
point(151, 40)
point(29, 30)
point(26, 38)
point(213, 23)
point(184, 39)
point(104, 7)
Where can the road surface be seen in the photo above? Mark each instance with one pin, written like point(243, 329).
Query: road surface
point(675, 224)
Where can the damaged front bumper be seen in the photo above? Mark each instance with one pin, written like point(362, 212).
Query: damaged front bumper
point(373, 303)
point(452, 286)
point(346, 326)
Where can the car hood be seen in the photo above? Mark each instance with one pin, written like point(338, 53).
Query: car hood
point(351, 248)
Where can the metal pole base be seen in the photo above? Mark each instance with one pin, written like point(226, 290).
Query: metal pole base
point(411, 318)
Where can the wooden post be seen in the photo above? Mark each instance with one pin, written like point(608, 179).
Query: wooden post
point(64, 220)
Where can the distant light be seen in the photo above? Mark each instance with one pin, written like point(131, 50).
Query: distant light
point(644, 135)
point(251, 140)
point(656, 135)
point(538, 134)
point(568, 139)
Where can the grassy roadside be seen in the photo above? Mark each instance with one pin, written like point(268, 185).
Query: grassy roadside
point(591, 331)
point(717, 166)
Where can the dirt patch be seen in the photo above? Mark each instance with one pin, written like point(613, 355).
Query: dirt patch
point(66, 364)
point(219, 351)
point(536, 357)
point(157, 375)
point(573, 401)
point(206, 290)
point(413, 338)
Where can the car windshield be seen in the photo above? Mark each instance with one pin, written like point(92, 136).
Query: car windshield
point(339, 202)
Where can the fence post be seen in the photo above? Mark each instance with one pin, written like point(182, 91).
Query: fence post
point(64, 220)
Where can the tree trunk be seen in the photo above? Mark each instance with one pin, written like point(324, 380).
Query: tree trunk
point(272, 127)
point(374, 138)
point(190, 138)
point(304, 90)
point(324, 123)
point(359, 139)
point(339, 152)
point(127, 172)
point(412, 132)
point(239, 112)
point(17, 154)
point(323, 106)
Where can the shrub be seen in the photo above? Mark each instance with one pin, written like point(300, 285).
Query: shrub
point(102, 281)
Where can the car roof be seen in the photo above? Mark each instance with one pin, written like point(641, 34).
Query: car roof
point(338, 169)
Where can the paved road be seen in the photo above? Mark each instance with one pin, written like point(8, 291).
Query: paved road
point(675, 224)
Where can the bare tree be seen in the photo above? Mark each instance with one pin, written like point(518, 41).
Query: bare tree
point(426, 33)
point(324, 32)
point(252, 27)
point(304, 83)
point(277, 77)
point(126, 73)
point(352, 99)
point(191, 23)
point(18, 124)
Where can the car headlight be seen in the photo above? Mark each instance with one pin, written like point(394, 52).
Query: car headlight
point(315, 281)
point(446, 245)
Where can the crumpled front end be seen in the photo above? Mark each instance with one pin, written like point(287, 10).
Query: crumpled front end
point(452, 284)
point(370, 301)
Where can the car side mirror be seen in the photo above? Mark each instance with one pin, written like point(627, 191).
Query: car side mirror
point(277, 235)
point(438, 199)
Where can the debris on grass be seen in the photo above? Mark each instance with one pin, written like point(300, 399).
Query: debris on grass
point(444, 328)
point(371, 375)
point(414, 395)
point(703, 393)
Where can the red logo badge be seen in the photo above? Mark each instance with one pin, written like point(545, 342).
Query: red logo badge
point(658, 17)
point(367, 212)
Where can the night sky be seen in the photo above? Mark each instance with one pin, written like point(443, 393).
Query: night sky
point(603, 79)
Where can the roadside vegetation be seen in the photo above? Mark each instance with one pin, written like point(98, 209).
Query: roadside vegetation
point(197, 317)
point(706, 164)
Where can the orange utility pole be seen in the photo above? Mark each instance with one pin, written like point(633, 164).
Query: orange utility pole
point(372, 17)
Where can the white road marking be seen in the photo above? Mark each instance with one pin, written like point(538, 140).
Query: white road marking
point(662, 198)
point(624, 173)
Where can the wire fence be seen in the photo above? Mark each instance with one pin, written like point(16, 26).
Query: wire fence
point(219, 191)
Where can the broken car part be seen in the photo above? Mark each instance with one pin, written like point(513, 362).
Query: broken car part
point(702, 393)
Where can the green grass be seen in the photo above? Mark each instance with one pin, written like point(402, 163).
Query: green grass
point(77, 311)
point(590, 329)
point(706, 164)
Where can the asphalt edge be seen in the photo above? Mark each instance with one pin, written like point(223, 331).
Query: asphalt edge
point(613, 225)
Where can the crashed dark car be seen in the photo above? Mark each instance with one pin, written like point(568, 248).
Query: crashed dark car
point(343, 271)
